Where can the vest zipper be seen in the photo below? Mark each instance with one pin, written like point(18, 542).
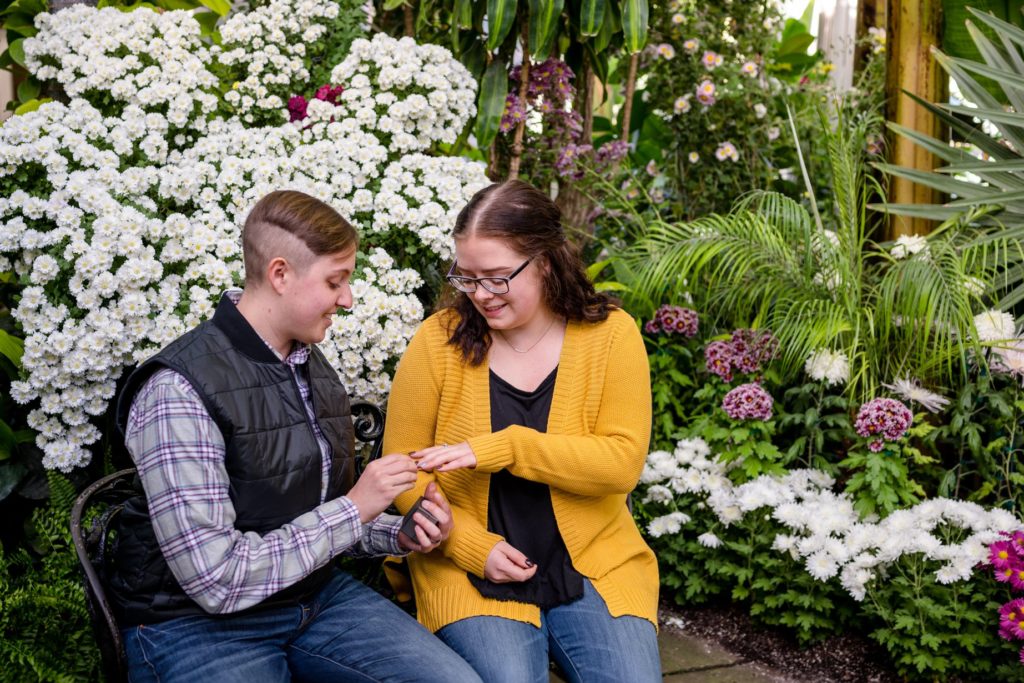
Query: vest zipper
point(309, 422)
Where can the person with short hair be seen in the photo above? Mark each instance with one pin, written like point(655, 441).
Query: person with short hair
point(527, 400)
point(243, 439)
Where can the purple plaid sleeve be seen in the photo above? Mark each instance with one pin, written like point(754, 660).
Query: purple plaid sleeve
point(179, 452)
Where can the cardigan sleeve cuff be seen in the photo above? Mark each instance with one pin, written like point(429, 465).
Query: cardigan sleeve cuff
point(469, 549)
point(493, 451)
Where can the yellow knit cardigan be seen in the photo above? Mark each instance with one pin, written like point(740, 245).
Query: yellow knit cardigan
point(591, 457)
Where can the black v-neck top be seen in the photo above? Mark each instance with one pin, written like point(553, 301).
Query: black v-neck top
point(520, 510)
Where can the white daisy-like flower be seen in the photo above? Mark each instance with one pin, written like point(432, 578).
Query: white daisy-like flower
point(911, 390)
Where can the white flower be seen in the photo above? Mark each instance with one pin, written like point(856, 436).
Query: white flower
point(667, 524)
point(831, 367)
point(994, 325)
point(908, 245)
point(709, 540)
point(658, 494)
point(911, 390)
point(760, 110)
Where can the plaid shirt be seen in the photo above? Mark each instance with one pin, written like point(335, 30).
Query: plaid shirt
point(179, 453)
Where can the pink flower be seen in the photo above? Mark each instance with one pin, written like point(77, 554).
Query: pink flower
point(718, 359)
point(711, 59)
point(748, 402)
point(883, 419)
point(674, 320)
point(706, 93)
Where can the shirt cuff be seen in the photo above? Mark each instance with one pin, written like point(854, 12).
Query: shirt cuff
point(342, 516)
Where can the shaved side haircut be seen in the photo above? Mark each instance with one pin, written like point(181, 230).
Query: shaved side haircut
point(296, 227)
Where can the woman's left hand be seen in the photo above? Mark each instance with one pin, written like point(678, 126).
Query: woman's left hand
point(445, 458)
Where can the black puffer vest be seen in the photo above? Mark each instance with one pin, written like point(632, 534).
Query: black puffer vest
point(272, 456)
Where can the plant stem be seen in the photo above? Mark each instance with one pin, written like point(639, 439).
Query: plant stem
point(524, 82)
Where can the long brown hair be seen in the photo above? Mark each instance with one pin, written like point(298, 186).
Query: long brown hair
point(530, 223)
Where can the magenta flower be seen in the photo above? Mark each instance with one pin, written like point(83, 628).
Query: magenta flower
point(674, 320)
point(748, 402)
point(329, 93)
point(297, 108)
point(883, 419)
point(1003, 555)
point(1010, 616)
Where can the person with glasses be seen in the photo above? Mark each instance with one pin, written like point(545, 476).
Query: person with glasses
point(526, 399)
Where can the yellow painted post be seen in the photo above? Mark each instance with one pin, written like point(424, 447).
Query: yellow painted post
point(913, 28)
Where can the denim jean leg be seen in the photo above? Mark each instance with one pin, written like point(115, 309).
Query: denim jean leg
point(356, 635)
point(593, 646)
point(501, 650)
point(240, 649)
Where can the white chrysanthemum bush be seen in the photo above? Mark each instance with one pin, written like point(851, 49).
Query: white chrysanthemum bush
point(122, 209)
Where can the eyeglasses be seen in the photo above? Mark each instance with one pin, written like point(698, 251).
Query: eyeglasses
point(494, 284)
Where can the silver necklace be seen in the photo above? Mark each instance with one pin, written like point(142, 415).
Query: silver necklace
point(530, 348)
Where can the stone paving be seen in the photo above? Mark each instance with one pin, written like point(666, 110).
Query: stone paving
point(687, 659)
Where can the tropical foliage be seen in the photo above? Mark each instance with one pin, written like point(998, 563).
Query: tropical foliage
point(817, 280)
point(982, 172)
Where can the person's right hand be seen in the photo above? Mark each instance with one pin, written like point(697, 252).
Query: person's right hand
point(506, 564)
point(380, 482)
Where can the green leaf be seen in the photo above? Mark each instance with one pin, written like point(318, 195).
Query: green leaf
point(178, 4)
point(501, 14)
point(462, 16)
point(634, 24)
point(11, 347)
point(390, 5)
point(17, 51)
point(207, 21)
point(221, 7)
point(491, 103)
point(31, 105)
point(591, 16)
point(544, 22)
point(611, 25)
point(11, 474)
point(28, 89)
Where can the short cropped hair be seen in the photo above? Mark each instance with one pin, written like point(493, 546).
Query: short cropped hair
point(295, 226)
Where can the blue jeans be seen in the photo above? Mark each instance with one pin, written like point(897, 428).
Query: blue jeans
point(347, 632)
point(582, 637)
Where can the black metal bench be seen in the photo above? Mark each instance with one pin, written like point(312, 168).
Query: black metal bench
point(93, 518)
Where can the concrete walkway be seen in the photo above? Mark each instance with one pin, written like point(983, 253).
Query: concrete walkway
point(686, 659)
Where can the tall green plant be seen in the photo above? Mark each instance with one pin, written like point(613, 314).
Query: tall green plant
point(818, 281)
point(993, 175)
point(45, 633)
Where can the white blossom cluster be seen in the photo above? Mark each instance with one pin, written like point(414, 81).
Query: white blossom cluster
point(154, 60)
point(412, 95)
point(128, 239)
point(424, 194)
point(267, 46)
point(828, 366)
point(821, 527)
